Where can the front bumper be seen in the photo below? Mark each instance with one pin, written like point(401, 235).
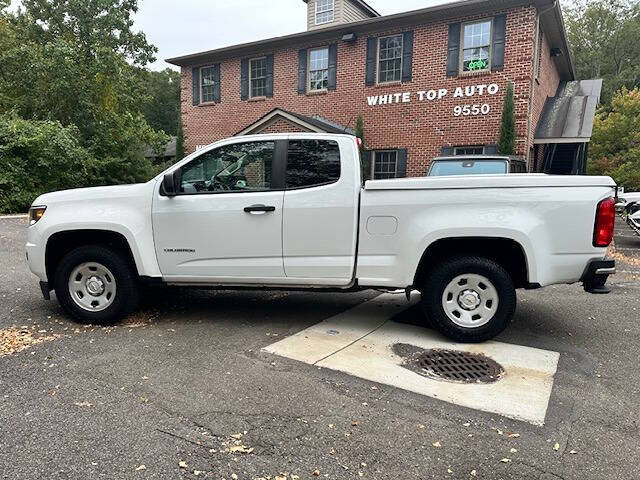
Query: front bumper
point(596, 274)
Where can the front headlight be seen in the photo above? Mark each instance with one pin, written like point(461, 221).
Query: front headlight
point(35, 214)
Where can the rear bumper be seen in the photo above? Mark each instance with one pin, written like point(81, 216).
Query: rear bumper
point(596, 274)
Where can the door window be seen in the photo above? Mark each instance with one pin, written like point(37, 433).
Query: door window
point(312, 162)
point(240, 167)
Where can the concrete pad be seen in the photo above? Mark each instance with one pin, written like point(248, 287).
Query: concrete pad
point(363, 348)
point(329, 336)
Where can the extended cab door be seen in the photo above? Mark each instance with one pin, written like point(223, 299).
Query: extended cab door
point(225, 224)
point(319, 230)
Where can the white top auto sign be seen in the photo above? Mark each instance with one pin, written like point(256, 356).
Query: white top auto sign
point(470, 91)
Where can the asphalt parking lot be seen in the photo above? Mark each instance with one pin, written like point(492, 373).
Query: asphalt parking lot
point(183, 389)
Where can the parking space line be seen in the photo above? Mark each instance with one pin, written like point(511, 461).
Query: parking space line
point(360, 342)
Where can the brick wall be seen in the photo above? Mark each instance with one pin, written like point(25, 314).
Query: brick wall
point(421, 127)
point(280, 125)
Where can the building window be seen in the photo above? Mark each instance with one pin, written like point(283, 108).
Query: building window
point(258, 77)
point(318, 69)
point(476, 46)
point(390, 59)
point(324, 11)
point(207, 84)
point(385, 164)
point(473, 150)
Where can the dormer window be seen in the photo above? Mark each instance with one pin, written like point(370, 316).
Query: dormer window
point(324, 11)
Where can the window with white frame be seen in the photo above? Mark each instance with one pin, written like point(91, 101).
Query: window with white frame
point(318, 69)
point(385, 164)
point(258, 77)
point(207, 84)
point(476, 46)
point(469, 150)
point(390, 59)
point(324, 11)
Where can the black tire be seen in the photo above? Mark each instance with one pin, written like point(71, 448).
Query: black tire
point(127, 294)
point(441, 275)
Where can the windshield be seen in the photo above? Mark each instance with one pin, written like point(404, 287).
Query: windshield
point(467, 167)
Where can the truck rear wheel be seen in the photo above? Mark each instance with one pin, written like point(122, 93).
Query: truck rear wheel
point(96, 284)
point(469, 299)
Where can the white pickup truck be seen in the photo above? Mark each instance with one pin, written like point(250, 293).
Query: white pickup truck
point(291, 212)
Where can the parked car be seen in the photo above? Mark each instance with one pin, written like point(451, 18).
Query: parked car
point(476, 165)
point(634, 220)
point(290, 211)
point(627, 201)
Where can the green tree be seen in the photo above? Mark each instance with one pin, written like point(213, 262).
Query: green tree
point(615, 144)
point(603, 36)
point(507, 141)
point(163, 108)
point(37, 157)
point(363, 148)
point(78, 62)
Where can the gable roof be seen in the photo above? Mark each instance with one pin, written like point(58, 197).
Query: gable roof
point(551, 20)
point(314, 123)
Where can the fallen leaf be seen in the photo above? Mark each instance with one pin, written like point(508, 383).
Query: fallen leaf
point(467, 424)
point(436, 444)
point(141, 467)
point(573, 452)
point(240, 449)
point(354, 423)
point(316, 473)
point(331, 425)
point(237, 436)
point(556, 446)
point(513, 450)
point(182, 464)
point(505, 460)
point(449, 470)
point(499, 432)
point(421, 427)
point(514, 435)
point(473, 473)
point(83, 404)
point(212, 450)
point(234, 476)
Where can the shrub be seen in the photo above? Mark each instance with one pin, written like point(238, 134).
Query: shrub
point(38, 157)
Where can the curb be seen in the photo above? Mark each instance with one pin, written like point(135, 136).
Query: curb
point(21, 215)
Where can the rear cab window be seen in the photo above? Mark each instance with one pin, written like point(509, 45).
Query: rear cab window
point(312, 163)
point(468, 167)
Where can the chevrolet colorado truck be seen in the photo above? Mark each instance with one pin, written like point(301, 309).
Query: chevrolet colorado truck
point(291, 211)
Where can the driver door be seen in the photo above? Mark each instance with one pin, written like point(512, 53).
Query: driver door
point(225, 223)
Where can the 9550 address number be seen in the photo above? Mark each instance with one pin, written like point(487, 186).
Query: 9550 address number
point(466, 110)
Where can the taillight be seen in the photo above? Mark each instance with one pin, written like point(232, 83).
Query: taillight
point(605, 220)
point(359, 142)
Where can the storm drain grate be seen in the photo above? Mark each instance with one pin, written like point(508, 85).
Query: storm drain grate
point(459, 366)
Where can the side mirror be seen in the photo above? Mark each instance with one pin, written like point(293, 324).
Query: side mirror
point(171, 183)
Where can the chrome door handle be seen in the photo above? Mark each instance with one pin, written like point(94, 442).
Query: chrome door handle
point(259, 209)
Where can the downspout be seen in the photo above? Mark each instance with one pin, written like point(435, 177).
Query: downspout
point(533, 66)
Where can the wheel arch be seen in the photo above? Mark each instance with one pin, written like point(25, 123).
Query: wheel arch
point(507, 252)
point(61, 243)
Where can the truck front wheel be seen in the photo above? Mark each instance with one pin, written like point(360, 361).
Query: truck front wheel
point(469, 299)
point(96, 284)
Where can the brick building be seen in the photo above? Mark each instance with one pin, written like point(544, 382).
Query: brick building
point(426, 82)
